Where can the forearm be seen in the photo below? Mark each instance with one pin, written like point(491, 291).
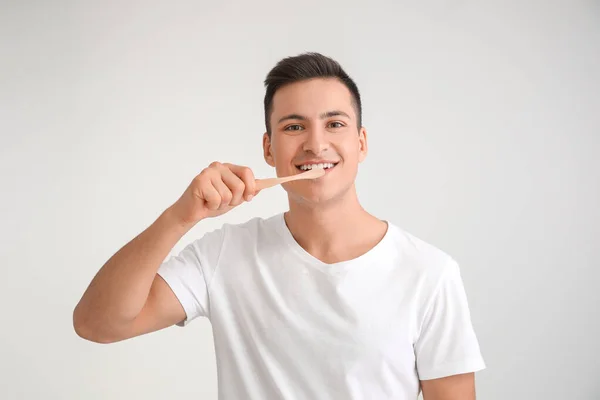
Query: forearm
point(119, 290)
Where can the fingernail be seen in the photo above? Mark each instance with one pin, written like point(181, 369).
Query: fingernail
point(250, 197)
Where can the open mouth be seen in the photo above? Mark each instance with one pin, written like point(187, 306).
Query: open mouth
point(308, 167)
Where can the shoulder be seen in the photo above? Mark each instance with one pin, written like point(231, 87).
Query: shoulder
point(429, 272)
point(426, 264)
point(210, 246)
point(247, 232)
point(418, 253)
point(253, 226)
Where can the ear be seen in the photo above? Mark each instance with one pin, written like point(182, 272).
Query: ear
point(362, 144)
point(267, 150)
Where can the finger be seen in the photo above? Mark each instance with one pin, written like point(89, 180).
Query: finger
point(212, 198)
point(247, 177)
point(225, 193)
point(235, 184)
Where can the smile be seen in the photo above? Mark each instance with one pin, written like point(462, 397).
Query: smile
point(307, 167)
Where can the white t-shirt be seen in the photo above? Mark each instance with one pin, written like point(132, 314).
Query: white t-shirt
point(288, 326)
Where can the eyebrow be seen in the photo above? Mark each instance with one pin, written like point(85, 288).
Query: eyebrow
point(335, 113)
point(324, 115)
point(291, 116)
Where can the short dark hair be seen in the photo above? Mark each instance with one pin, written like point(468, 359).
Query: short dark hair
point(303, 67)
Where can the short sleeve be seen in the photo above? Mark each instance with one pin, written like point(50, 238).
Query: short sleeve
point(190, 272)
point(447, 344)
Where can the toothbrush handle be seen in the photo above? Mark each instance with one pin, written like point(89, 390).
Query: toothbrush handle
point(270, 182)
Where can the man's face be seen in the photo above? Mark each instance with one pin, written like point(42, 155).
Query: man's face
point(314, 123)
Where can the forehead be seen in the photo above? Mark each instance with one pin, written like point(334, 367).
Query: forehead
point(312, 97)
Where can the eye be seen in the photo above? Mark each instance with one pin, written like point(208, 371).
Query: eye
point(336, 124)
point(294, 127)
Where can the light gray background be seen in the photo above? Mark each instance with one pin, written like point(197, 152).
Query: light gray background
point(484, 137)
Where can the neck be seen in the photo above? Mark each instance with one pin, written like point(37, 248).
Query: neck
point(336, 230)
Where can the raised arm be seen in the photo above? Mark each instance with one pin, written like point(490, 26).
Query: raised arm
point(127, 297)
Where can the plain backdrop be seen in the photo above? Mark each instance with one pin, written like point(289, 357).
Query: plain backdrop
point(483, 122)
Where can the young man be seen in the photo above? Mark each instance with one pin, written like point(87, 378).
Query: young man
point(324, 301)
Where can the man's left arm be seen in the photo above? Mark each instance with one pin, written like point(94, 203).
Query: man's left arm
point(447, 350)
point(455, 387)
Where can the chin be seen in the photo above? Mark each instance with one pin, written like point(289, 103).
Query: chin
point(316, 195)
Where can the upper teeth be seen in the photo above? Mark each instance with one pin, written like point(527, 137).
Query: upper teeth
point(311, 166)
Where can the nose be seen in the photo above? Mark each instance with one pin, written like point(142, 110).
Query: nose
point(316, 141)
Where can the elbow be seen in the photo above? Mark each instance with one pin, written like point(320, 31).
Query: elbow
point(88, 331)
point(90, 335)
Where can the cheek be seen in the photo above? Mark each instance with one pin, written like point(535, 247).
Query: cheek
point(284, 152)
point(349, 150)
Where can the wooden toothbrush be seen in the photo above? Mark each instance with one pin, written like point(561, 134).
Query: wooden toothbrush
point(269, 182)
